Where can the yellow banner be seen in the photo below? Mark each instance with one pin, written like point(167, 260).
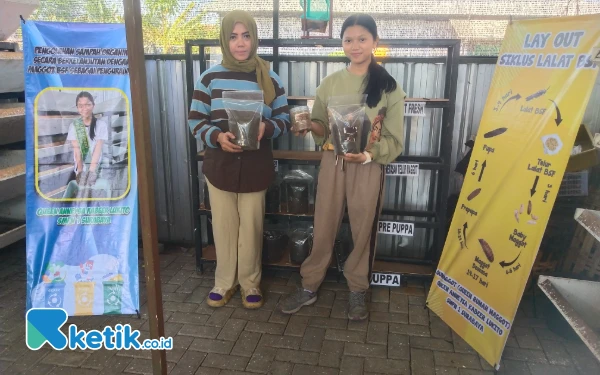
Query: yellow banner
point(540, 90)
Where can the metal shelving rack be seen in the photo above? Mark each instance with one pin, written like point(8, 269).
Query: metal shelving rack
point(435, 215)
point(12, 152)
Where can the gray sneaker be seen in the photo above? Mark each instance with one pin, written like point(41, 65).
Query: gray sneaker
point(294, 302)
point(357, 306)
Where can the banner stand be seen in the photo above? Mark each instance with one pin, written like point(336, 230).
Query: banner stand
point(537, 99)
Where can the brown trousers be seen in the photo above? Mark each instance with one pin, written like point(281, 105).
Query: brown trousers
point(237, 221)
point(359, 187)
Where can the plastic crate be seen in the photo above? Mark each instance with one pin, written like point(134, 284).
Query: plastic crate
point(574, 184)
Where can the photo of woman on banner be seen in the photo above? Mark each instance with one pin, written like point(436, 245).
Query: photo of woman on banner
point(87, 136)
point(76, 245)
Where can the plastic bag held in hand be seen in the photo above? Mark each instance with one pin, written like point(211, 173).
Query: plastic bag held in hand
point(244, 110)
point(346, 117)
point(300, 118)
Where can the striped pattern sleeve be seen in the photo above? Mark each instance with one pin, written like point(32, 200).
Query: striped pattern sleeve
point(279, 122)
point(199, 116)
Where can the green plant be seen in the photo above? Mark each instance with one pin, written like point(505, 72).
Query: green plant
point(165, 26)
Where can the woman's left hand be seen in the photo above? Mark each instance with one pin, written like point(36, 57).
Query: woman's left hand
point(261, 130)
point(355, 158)
point(92, 176)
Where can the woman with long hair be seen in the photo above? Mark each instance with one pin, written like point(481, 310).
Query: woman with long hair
point(87, 136)
point(356, 178)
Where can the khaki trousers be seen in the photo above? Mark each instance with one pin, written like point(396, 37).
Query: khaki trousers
point(237, 221)
point(360, 187)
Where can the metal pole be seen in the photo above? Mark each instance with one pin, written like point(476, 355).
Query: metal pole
point(139, 104)
point(275, 19)
point(189, 71)
point(305, 33)
point(330, 19)
point(276, 36)
point(447, 132)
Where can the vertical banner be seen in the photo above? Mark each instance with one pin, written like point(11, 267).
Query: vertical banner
point(82, 215)
point(539, 93)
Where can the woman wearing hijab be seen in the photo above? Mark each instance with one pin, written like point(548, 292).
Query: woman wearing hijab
point(237, 181)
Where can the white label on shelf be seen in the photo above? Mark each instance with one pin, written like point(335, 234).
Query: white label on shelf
point(386, 279)
point(276, 165)
point(401, 169)
point(396, 228)
point(412, 109)
point(596, 55)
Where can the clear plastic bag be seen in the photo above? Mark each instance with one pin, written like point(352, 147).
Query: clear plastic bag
point(346, 117)
point(300, 118)
point(297, 191)
point(273, 197)
point(244, 110)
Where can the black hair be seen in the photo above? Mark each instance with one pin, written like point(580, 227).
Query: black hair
point(378, 80)
point(87, 95)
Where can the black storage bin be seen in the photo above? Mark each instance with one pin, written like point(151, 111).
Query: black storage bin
point(274, 244)
point(300, 246)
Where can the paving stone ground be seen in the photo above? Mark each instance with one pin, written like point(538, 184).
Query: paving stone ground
point(400, 337)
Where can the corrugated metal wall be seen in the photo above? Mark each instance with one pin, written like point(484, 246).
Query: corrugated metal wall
point(170, 150)
point(168, 106)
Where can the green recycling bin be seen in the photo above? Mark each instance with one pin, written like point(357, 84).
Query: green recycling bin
point(112, 296)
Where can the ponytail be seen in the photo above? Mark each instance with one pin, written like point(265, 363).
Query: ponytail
point(377, 81)
point(93, 128)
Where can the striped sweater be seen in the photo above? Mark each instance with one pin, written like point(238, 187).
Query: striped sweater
point(248, 171)
point(208, 118)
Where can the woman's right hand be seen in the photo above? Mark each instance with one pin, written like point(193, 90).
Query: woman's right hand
point(224, 140)
point(302, 133)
